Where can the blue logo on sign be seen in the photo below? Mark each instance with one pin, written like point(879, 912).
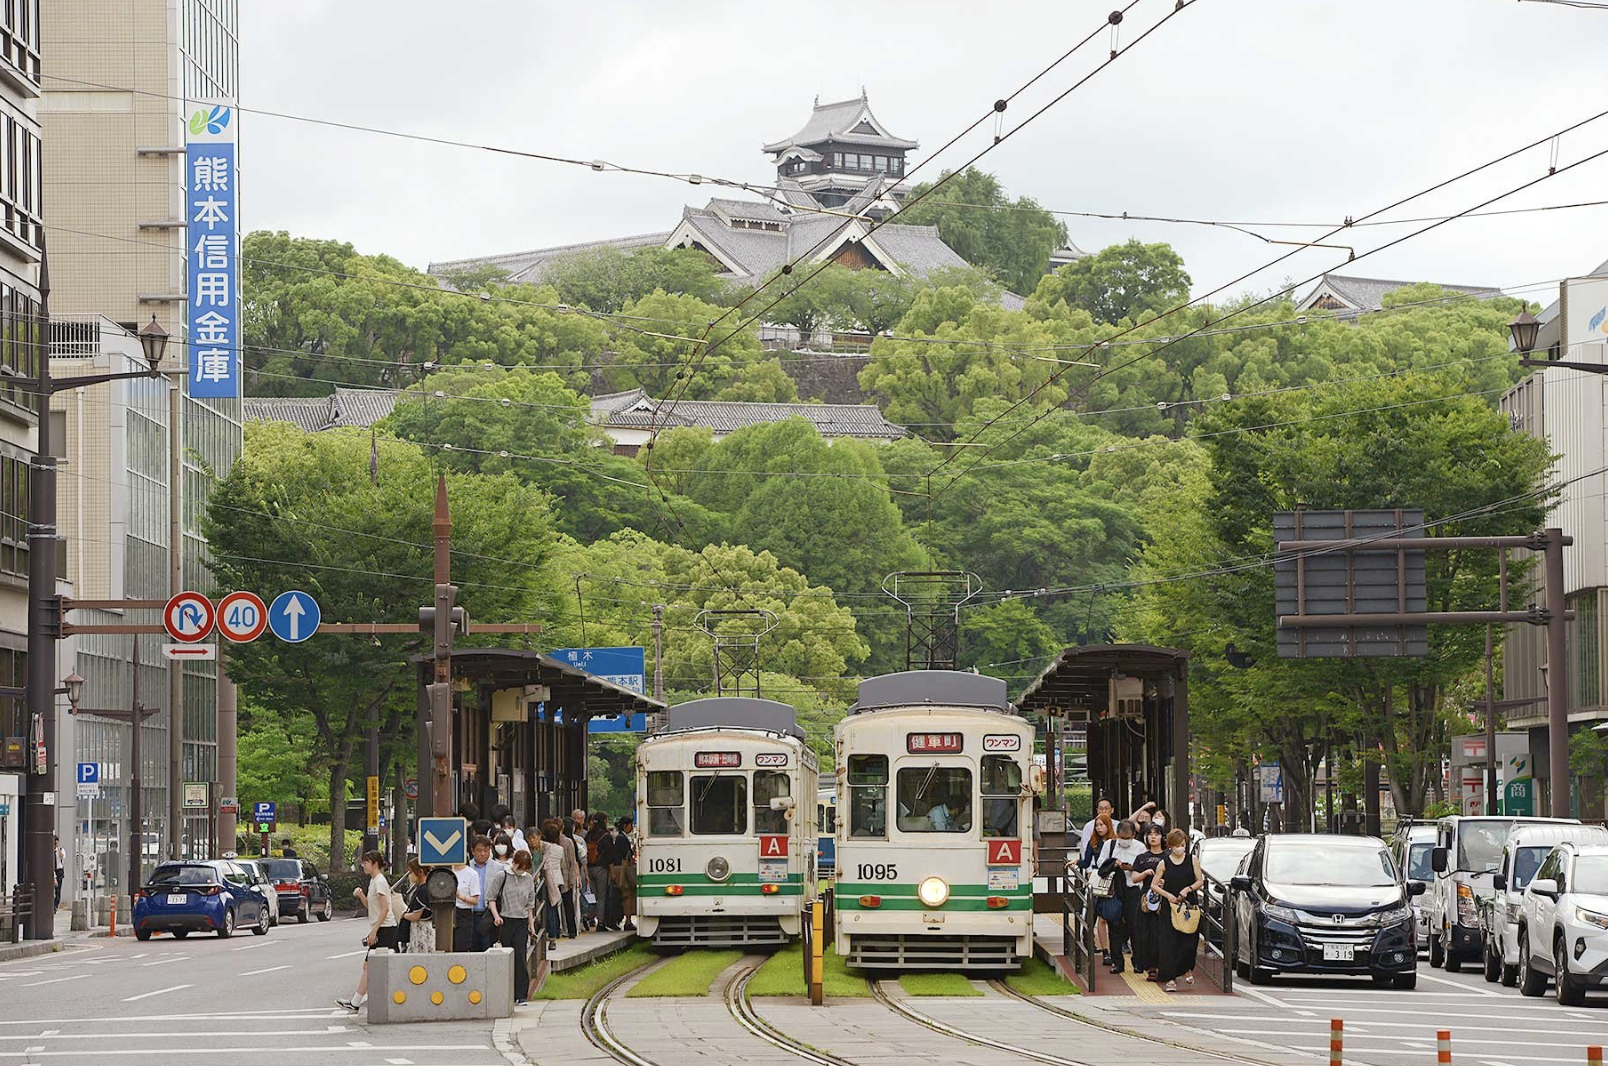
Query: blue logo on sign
point(263, 812)
point(443, 841)
point(89, 773)
point(294, 616)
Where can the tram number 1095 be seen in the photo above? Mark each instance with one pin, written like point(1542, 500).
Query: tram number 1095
point(878, 871)
point(664, 866)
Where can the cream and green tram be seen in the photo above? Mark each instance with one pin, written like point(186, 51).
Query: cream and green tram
point(726, 835)
point(934, 827)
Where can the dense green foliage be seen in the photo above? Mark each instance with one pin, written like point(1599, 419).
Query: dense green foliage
point(1012, 239)
point(1094, 468)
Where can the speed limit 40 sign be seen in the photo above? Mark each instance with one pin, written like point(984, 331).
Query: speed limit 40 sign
point(242, 617)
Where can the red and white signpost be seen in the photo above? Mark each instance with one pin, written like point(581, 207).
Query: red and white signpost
point(242, 617)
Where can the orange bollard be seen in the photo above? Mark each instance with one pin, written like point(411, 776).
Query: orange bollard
point(1336, 1028)
point(113, 919)
point(1443, 1047)
point(1594, 1055)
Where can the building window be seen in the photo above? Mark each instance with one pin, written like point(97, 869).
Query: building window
point(19, 185)
point(14, 478)
point(21, 334)
point(13, 709)
point(1585, 649)
point(19, 36)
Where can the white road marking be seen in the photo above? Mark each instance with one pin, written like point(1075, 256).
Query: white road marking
point(164, 962)
point(1219, 1017)
point(179, 1034)
point(158, 992)
point(1263, 996)
point(248, 947)
point(348, 954)
point(1470, 989)
point(141, 955)
point(271, 969)
point(273, 1014)
point(399, 1062)
point(1417, 1042)
point(1417, 1053)
point(50, 1032)
point(55, 980)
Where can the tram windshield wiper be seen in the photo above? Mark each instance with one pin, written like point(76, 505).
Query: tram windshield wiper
point(925, 781)
point(705, 793)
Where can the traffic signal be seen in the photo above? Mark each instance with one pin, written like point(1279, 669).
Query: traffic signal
point(440, 723)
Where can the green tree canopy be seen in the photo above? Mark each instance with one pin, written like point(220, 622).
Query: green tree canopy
point(609, 279)
point(1122, 282)
point(1012, 239)
point(667, 343)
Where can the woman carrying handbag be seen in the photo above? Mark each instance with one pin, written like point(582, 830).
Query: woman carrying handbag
point(1179, 886)
point(1100, 830)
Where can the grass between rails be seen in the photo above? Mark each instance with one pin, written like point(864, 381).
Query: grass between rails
point(690, 974)
point(1038, 978)
point(938, 984)
point(583, 981)
point(783, 975)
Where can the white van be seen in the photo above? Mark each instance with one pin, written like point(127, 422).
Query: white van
point(1526, 847)
point(1467, 853)
point(1411, 846)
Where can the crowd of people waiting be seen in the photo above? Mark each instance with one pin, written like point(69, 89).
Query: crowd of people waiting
point(582, 867)
point(1147, 890)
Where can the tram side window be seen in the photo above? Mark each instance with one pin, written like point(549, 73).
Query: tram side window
point(1002, 793)
point(768, 785)
point(665, 799)
point(719, 804)
point(868, 797)
point(935, 799)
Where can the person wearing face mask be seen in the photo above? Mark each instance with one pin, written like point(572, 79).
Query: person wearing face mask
point(1180, 880)
point(1116, 859)
point(502, 848)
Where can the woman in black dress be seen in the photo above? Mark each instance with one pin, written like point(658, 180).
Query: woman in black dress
point(1143, 917)
point(1180, 880)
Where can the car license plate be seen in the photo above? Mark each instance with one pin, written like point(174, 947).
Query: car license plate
point(772, 873)
point(178, 898)
point(1339, 953)
point(1000, 880)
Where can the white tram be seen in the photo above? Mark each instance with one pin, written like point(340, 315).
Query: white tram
point(934, 829)
point(726, 837)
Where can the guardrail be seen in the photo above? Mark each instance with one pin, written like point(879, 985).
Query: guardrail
point(1077, 927)
point(1219, 935)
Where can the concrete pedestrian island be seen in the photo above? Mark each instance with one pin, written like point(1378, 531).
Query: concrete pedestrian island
point(445, 987)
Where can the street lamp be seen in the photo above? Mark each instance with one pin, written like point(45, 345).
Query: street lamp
point(75, 689)
point(1523, 329)
point(153, 340)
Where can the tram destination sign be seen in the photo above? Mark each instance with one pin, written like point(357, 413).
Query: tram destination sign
point(1367, 582)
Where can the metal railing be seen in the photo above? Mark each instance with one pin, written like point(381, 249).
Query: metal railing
point(1219, 933)
point(1077, 927)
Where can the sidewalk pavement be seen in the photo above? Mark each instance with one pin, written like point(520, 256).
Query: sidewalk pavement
point(65, 936)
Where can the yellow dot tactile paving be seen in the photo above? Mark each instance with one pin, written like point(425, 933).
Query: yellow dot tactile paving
point(1146, 991)
point(418, 975)
point(437, 998)
point(399, 997)
point(474, 997)
point(457, 975)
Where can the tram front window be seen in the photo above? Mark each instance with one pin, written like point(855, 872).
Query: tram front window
point(665, 799)
point(935, 799)
point(719, 804)
point(868, 797)
point(1002, 793)
point(768, 785)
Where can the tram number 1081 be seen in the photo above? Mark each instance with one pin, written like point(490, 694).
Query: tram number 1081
point(878, 871)
point(664, 866)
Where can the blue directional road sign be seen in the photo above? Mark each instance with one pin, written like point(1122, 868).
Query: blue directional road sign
point(89, 773)
point(294, 616)
point(625, 667)
point(264, 812)
point(443, 842)
point(623, 723)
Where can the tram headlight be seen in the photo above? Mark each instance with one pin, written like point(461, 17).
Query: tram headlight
point(718, 869)
point(933, 892)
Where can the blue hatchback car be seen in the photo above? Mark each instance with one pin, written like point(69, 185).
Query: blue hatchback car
point(208, 897)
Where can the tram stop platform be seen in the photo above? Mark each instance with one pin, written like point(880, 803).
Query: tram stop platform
point(1048, 943)
point(566, 954)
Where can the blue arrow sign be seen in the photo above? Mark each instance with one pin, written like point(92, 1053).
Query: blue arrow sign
point(443, 842)
point(294, 616)
point(89, 773)
point(264, 812)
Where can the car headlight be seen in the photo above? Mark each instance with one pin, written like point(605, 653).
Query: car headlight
point(933, 892)
point(1393, 916)
point(718, 869)
point(1283, 914)
point(1591, 918)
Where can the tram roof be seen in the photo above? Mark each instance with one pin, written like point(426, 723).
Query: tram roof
point(1079, 677)
point(733, 712)
point(914, 687)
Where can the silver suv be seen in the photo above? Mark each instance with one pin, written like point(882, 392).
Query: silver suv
point(1563, 927)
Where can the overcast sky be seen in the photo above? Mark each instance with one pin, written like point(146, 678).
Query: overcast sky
point(1253, 110)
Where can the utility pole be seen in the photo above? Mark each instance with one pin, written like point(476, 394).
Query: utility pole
point(1490, 723)
point(175, 787)
point(1557, 674)
point(438, 701)
point(136, 823)
point(658, 651)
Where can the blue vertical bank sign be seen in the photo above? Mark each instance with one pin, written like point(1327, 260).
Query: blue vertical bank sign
point(211, 243)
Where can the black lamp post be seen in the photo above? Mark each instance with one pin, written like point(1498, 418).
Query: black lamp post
point(44, 608)
point(1525, 329)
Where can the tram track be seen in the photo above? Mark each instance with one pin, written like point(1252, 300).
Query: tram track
point(594, 1023)
point(737, 1003)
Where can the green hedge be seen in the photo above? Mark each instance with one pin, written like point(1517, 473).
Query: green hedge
point(341, 886)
